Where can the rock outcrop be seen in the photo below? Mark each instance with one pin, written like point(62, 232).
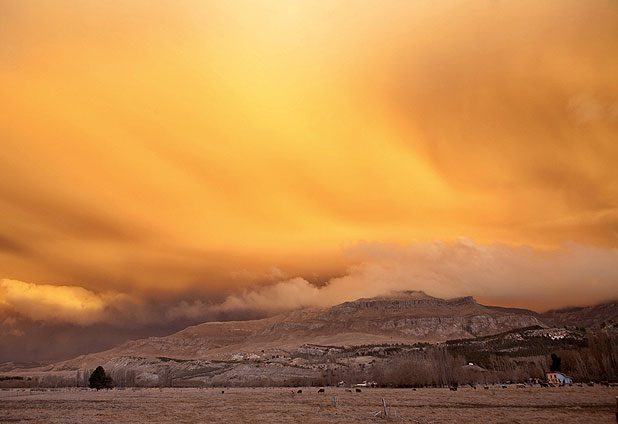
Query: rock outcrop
point(405, 317)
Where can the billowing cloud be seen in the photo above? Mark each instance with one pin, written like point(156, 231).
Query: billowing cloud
point(495, 274)
point(285, 295)
point(179, 162)
point(258, 137)
point(54, 304)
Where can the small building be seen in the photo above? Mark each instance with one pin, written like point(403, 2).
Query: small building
point(558, 378)
point(367, 384)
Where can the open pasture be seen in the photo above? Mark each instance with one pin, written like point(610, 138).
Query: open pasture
point(284, 405)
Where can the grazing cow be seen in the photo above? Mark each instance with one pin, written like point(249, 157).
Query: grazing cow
point(321, 391)
point(486, 387)
point(222, 391)
point(358, 390)
point(299, 391)
point(348, 390)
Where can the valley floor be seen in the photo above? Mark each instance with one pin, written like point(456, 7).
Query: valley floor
point(279, 405)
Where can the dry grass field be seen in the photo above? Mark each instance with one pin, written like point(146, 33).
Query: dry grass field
point(279, 405)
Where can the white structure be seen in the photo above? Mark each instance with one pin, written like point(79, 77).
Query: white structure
point(558, 378)
point(367, 384)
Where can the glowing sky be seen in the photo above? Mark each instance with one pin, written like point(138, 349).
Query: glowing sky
point(183, 151)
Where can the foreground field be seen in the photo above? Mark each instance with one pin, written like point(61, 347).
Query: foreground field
point(279, 405)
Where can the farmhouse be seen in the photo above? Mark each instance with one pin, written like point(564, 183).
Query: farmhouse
point(558, 378)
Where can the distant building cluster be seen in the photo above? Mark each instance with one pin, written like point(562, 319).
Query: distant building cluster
point(558, 378)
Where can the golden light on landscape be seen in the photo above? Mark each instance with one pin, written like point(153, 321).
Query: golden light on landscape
point(215, 153)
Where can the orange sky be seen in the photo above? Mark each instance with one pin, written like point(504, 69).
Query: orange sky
point(197, 149)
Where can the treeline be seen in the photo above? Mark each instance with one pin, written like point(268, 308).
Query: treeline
point(502, 359)
point(595, 359)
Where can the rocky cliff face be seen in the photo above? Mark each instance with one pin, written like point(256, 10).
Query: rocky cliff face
point(405, 317)
point(303, 346)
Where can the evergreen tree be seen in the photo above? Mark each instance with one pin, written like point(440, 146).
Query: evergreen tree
point(556, 363)
point(99, 380)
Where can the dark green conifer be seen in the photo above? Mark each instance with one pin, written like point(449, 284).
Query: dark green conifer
point(99, 380)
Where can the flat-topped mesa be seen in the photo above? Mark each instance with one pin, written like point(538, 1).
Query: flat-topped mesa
point(385, 304)
point(400, 301)
point(400, 317)
point(466, 300)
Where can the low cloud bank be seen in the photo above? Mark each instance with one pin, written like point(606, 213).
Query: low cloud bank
point(36, 320)
point(44, 302)
point(499, 274)
point(511, 276)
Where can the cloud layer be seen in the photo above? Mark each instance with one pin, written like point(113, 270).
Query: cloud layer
point(259, 137)
point(58, 304)
point(163, 164)
point(496, 274)
point(523, 276)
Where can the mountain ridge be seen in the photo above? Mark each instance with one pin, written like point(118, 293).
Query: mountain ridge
point(605, 313)
point(314, 344)
point(403, 317)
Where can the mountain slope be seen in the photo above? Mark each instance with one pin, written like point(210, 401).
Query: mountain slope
point(405, 317)
point(587, 316)
point(398, 339)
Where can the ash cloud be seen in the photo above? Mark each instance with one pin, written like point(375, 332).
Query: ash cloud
point(499, 123)
point(56, 304)
point(523, 276)
point(33, 316)
point(499, 274)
